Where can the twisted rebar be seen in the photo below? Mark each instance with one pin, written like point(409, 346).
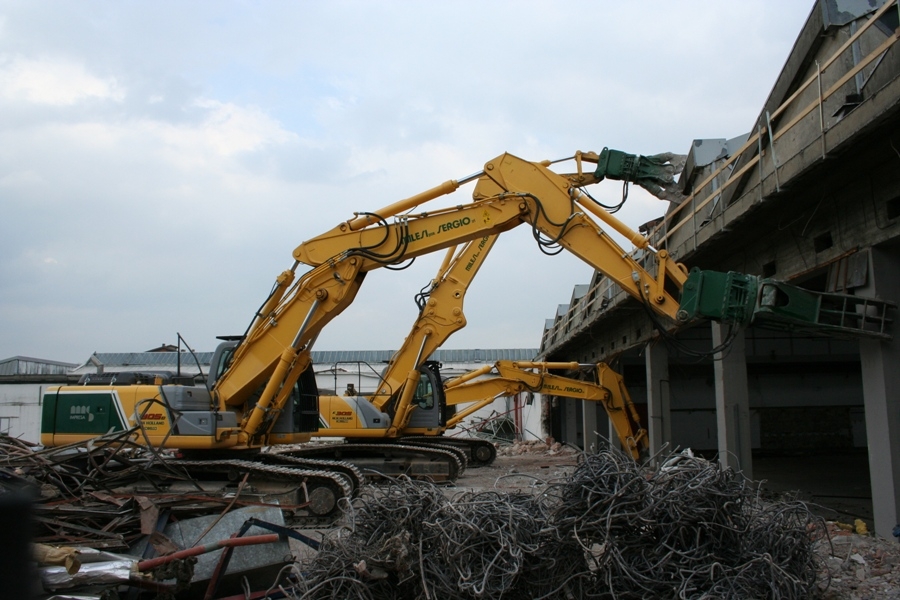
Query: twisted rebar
point(614, 529)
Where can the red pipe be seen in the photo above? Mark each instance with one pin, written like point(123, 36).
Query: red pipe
point(152, 563)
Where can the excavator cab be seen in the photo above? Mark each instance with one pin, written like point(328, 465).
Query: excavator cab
point(429, 398)
point(424, 397)
point(301, 415)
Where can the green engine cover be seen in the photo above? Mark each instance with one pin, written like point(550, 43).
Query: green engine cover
point(78, 412)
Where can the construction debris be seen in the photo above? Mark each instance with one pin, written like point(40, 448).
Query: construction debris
point(64, 556)
point(549, 447)
point(613, 530)
point(602, 528)
point(97, 568)
point(108, 495)
point(860, 566)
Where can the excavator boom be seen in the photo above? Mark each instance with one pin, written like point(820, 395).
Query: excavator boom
point(511, 191)
point(260, 397)
point(512, 377)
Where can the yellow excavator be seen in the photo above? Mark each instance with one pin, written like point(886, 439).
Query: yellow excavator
point(606, 386)
point(266, 393)
point(360, 418)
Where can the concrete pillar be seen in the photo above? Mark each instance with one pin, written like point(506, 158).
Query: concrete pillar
point(659, 422)
point(732, 402)
point(613, 436)
point(591, 436)
point(571, 427)
point(881, 394)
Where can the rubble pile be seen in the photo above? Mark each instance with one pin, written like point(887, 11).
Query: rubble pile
point(607, 528)
point(84, 494)
point(613, 530)
point(858, 566)
point(548, 447)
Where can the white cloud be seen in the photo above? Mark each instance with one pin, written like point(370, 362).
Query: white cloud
point(54, 82)
point(148, 192)
point(230, 129)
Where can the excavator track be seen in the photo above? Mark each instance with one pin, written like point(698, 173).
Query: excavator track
point(355, 478)
point(479, 453)
point(379, 460)
point(313, 495)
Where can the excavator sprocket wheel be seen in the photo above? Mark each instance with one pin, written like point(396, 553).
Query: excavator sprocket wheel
point(322, 501)
point(483, 454)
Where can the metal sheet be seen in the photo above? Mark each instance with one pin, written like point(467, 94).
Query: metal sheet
point(259, 563)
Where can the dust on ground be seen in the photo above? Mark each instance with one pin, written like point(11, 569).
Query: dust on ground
point(523, 466)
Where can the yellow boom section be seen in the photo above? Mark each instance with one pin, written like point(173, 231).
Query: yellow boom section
point(510, 191)
point(513, 377)
point(441, 316)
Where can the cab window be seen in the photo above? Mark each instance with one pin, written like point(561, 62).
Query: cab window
point(424, 393)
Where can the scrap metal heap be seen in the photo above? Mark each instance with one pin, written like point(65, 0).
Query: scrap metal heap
point(108, 495)
point(614, 529)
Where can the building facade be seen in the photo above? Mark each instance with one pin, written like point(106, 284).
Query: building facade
point(809, 195)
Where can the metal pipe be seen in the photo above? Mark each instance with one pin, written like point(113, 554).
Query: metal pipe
point(403, 205)
point(630, 234)
point(152, 563)
point(305, 324)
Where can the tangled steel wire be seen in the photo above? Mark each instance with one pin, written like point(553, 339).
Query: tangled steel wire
point(614, 529)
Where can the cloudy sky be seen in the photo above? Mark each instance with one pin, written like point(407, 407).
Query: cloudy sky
point(161, 160)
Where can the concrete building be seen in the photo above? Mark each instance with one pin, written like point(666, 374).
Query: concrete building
point(809, 195)
point(22, 382)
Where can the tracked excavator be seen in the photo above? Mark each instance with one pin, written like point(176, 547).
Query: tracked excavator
point(391, 415)
point(419, 449)
point(266, 393)
point(377, 442)
point(599, 383)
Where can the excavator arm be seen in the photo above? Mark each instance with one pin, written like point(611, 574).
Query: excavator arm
point(440, 316)
point(509, 192)
point(511, 377)
point(275, 350)
point(551, 203)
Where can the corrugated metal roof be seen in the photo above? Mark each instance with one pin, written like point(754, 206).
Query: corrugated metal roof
point(169, 359)
point(23, 365)
point(149, 359)
point(487, 355)
point(579, 291)
point(338, 356)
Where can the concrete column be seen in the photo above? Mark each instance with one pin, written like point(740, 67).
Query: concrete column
point(591, 436)
point(612, 435)
point(881, 395)
point(732, 402)
point(571, 430)
point(659, 425)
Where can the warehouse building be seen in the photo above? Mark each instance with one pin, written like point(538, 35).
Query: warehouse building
point(22, 383)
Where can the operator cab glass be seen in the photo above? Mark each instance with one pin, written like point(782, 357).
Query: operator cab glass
point(424, 397)
point(428, 399)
